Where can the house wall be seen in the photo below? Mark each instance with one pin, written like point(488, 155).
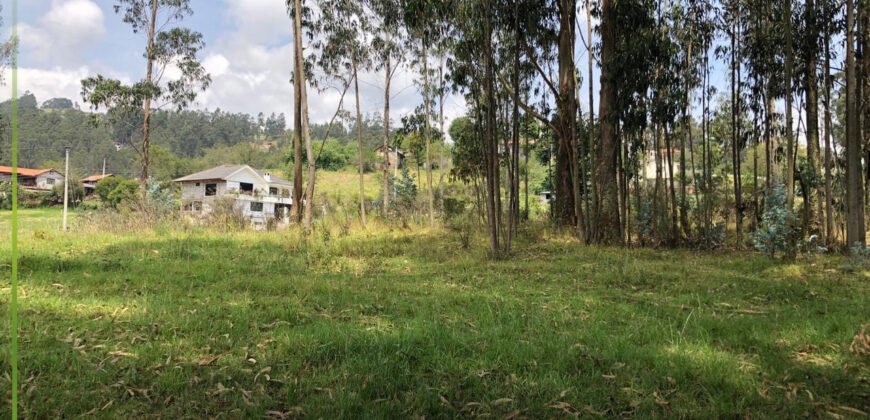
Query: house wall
point(48, 180)
point(245, 176)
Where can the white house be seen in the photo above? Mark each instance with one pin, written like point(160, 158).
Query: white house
point(33, 179)
point(258, 195)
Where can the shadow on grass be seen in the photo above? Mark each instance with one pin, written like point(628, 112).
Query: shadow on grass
point(396, 325)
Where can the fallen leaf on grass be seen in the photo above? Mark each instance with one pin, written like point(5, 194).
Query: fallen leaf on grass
point(121, 354)
point(205, 361)
point(501, 401)
point(861, 343)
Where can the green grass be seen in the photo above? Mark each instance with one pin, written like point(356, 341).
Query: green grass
point(399, 324)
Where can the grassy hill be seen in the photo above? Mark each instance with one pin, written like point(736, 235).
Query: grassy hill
point(390, 323)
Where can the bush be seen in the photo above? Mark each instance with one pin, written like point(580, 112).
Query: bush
point(777, 232)
point(116, 190)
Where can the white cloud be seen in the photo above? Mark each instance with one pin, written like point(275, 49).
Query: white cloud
point(47, 83)
point(64, 32)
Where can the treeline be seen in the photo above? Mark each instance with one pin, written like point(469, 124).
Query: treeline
point(183, 142)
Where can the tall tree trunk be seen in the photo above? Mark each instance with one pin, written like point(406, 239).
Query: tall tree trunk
point(387, 79)
point(828, 236)
point(687, 123)
point(812, 108)
point(491, 143)
point(564, 209)
point(591, 129)
point(855, 232)
point(735, 128)
point(789, 125)
point(308, 204)
point(426, 136)
point(146, 123)
point(361, 159)
point(298, 82)
point(608, 226)
point(441, 92)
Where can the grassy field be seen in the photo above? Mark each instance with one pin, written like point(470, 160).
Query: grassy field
point(398, 324)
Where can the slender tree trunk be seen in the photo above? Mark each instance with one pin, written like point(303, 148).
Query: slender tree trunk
point(608, 225)
point(568, 105)
point(308, 204)
point(387, 79)
point(491, 143)
point(146, 123)
point(687, 123)
point(441, 92)
point(591, 147)
point(426, 136)
point(298, 81)
point(361, 159)
point(735, 129)
point(669, 153)
point(829, 236)
point(855, 232)
point(812, 108)
point(789, 127)
point(565, 211)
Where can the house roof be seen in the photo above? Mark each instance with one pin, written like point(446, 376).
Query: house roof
point(96, 178)
point(224, 171)
point(392, 149)
point(25, 171)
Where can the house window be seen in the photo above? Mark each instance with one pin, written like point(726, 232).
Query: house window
point(197, 184)
point(273, 191)
point(49, 181)
point(210, 190)
point(246, 188)
point(256, 206)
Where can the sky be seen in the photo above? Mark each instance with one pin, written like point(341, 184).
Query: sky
point(248, 54)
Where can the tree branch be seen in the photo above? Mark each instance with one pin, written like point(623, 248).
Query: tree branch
point(540, 70)
point(524, 106)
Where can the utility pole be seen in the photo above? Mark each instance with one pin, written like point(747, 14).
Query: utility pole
point(104, 166)
point(65, 187)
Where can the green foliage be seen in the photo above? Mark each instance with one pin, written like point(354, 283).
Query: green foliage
point(115, 190)
point(777, 231)
point(467, 151)
point(5, 195)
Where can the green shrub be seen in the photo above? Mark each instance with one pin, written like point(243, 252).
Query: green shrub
point(116, 190)
point(777, 232)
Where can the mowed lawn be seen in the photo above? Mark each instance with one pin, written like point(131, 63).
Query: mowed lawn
point(397, 324)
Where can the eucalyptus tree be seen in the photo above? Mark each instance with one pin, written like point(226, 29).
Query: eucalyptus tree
point(302, 18)
point(695, 33)
point(855, 233)
point(607, 226)
point(830, 25)
point(810, 42)
point(388, 36)
point(425, 21)
point(789, 98)
point(168, 46)
point(343, 52)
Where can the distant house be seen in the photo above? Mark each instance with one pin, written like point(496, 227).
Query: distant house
point(90, 183)
point(33, 179)
point(396, 156)
point(649, 167)
point(258, 195)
